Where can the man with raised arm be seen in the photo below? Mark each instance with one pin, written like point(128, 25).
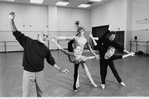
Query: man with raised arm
point(35, 51)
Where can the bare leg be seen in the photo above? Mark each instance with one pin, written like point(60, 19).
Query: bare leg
point(87, 73)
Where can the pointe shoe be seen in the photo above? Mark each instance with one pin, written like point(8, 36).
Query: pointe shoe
point(103, 86)
point(122, 83)
point(75, 88)
point(94, 84)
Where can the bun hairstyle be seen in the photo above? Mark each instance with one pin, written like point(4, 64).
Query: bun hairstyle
point(80, 28)
point(76, 46)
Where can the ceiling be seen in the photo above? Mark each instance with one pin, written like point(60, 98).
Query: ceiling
point(72, 3)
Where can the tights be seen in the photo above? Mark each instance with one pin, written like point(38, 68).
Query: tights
point(103, 70)
point(76, 67)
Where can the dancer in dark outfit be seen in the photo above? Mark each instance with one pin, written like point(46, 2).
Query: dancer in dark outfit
point(103, 44)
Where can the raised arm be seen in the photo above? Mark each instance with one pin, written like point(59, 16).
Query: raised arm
point(93, 39)
point(95, 43)
point(12, 24)
point(59, 47)
point(105, 34)
point(91, 50)
point(21, 38)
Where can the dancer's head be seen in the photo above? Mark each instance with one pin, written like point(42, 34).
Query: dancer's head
point(111, 50)
point(77, 50)
point(80, 30)
point(42, 36)
point(112, 35)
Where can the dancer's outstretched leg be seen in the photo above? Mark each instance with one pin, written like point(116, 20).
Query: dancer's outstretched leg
point(87, 73)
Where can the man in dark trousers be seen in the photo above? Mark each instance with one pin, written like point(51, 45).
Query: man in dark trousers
point(35, 51)
point(102, 44)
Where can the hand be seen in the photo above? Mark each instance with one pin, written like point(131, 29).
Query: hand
point(12, 15)
point(97, 57)
point(53, 39)
point(132, 53)
point(64, 71)
point(90, 35)
point(59, 47)
point(109, 28)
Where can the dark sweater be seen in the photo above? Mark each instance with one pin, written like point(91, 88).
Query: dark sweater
point(34, 53)
point(103, 43)
point(114, 57)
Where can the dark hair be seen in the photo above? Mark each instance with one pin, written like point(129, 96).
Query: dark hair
point(111, 47)
point(80, 28)
point(112, 32)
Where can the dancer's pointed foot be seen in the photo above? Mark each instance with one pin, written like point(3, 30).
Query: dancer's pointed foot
point(103, 86)
point(123, 84)
point(94, 84)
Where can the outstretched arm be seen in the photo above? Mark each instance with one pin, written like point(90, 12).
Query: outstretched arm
point(126, 51)
point(129, 54)
point(59, 47)
point(60, 69)
point(12, 24)
point(63, 37)
point(91, 50)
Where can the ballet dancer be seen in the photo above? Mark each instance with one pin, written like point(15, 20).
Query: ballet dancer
point(103, 44)
point(79, 39)
point(75, 56)
point(35, 51)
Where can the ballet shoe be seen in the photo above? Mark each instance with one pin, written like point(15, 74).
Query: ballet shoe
point(103, 86)
point(94, 84)
point(123, 84)
point(75, 88)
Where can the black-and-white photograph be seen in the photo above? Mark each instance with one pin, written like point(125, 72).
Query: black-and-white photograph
point(74, 48)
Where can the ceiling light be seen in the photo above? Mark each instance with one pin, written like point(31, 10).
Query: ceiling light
point(60, 3)
point(9, 0)
point(36, 1)
point(95, 0)
point(84, 5)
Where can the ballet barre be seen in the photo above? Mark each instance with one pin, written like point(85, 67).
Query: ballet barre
point(137, 43)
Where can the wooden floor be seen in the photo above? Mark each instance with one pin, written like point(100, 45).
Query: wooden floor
point(134, 72)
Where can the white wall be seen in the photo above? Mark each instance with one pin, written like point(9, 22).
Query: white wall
point(141, 29)
point(66, 19)
point(34, 18)
point(140, 12)
point(29, 19)
point(112, 13)
point(62, 22)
